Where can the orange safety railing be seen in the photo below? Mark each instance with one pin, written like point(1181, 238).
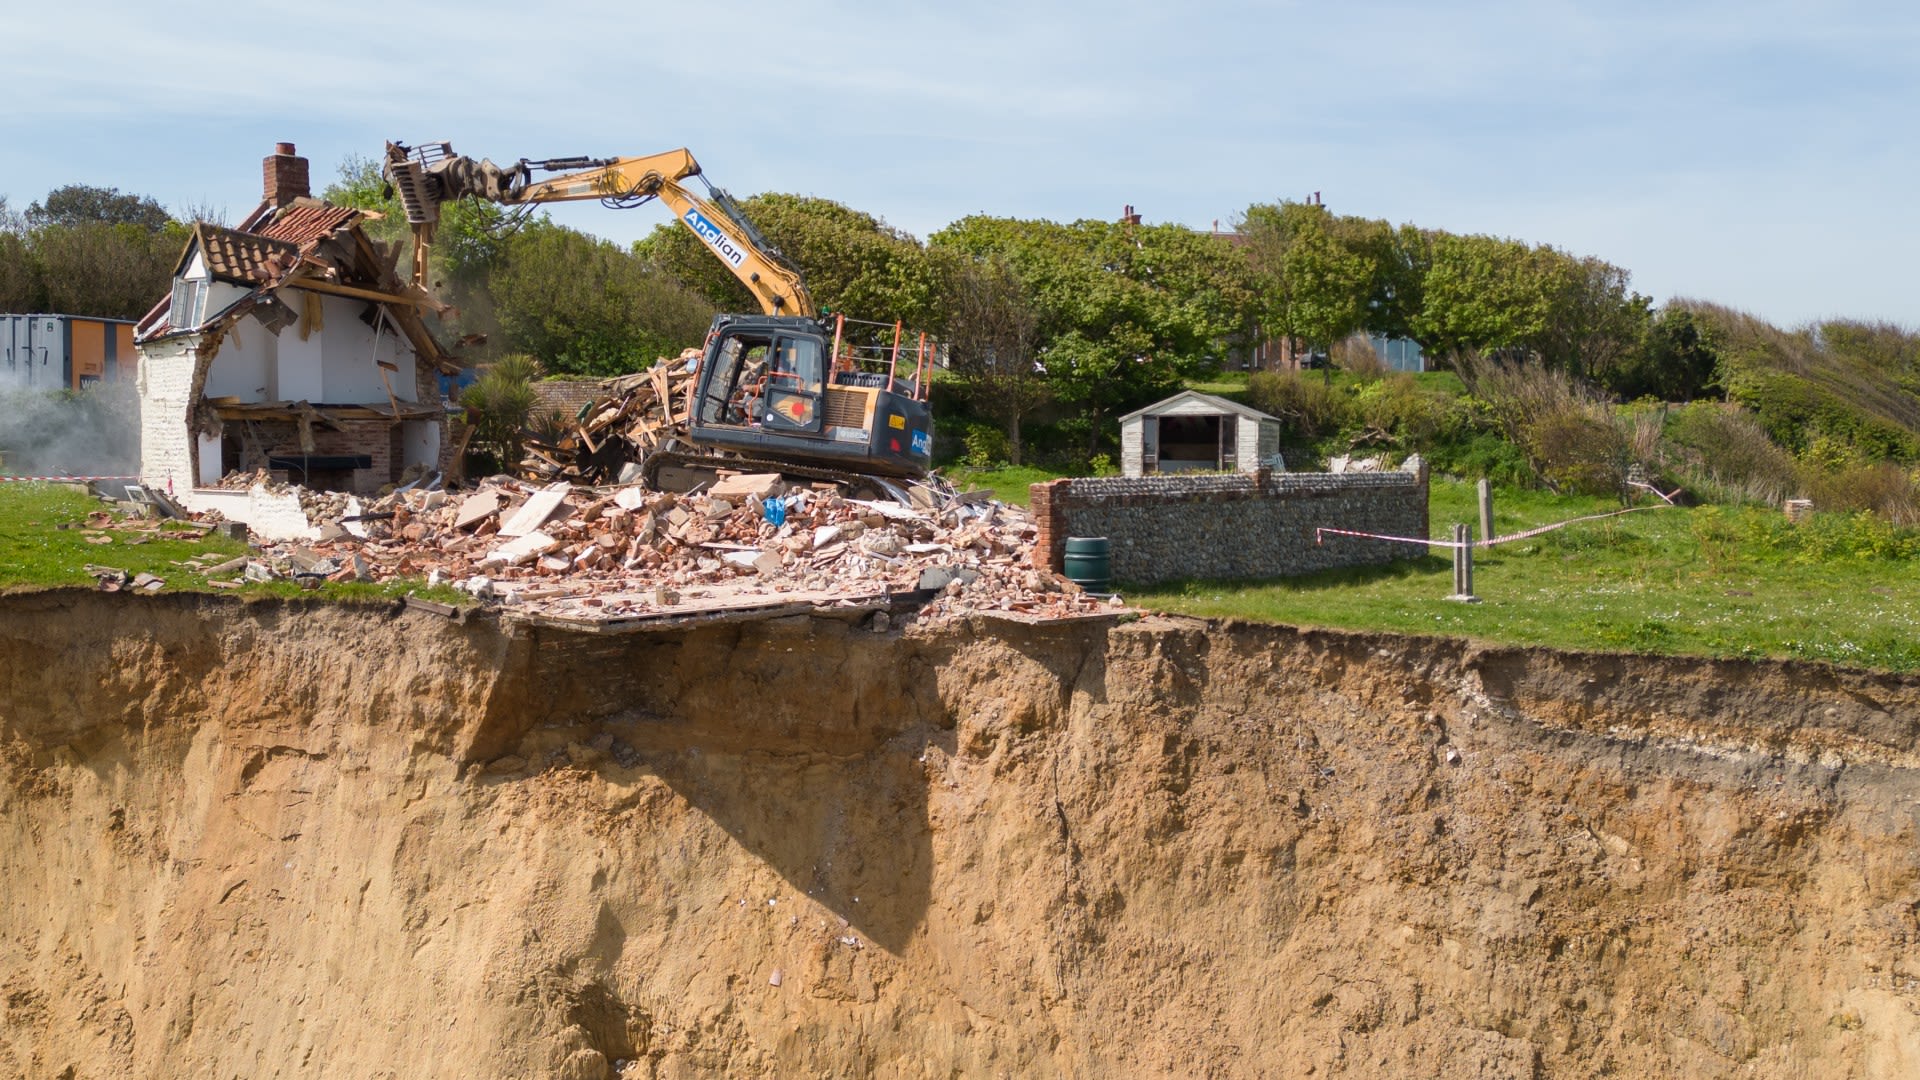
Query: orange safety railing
point(875, 349)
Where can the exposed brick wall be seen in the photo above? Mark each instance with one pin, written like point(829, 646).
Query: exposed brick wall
point(1166, 528)
point(378, 439)
point(375, 438)
point(565, 395)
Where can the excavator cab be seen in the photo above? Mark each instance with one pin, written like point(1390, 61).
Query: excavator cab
point(829, 392)
point(771, 378)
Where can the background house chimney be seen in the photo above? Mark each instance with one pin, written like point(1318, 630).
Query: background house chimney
point(284, 176)
point(1128, 217)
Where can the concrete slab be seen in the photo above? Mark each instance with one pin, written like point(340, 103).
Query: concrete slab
point(534, 513)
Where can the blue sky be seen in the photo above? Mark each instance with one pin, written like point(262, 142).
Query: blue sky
point(1758, 154)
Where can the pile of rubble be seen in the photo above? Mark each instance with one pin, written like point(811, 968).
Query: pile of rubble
point(634, 415)
point(628, 552)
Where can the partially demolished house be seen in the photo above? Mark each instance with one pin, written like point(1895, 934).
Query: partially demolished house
point(288, 344)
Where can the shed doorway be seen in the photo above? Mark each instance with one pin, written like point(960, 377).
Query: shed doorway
point(1197, 443)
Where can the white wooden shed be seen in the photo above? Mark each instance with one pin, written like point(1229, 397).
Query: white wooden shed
point(1196, 432)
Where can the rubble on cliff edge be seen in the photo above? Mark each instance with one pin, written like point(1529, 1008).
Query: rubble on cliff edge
point(626, 552)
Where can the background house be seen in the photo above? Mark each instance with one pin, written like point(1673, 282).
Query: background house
point(1196, 432)
point(289, 344)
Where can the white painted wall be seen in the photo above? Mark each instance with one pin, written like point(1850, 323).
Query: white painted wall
point(247, 365)
point(299, 363)
point(334, 365)
point(166, 443)
point(221, 296)
point(209, 447)
point(419, 443)
point(273, 516)
point(350, 374)
point(1247, 444)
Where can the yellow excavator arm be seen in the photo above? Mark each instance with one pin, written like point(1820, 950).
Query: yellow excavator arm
point(429, 175)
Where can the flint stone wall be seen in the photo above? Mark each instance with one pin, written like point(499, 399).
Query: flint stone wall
point(1166, 528)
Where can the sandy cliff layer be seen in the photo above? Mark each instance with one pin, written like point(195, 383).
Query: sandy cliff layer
point(277, 840)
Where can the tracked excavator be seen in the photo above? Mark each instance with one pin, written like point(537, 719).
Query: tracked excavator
point(790, 390)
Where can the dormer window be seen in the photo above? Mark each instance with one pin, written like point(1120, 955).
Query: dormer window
point(189, 303)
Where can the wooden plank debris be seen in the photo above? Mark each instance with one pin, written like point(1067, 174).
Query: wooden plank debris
point(631, 418)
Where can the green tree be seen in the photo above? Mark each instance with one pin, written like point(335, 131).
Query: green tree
point(361, 186)
point(82, 204)
point(110, 271)
point(853, 263)
point(19, 281)
point(991, 332)
point(586, 307)
point(1676, 360)
point(87, 251)
point(1123, 312)
point(1506, 299)
point(1594, 320)
point(1482, 294)
point(1323, 277)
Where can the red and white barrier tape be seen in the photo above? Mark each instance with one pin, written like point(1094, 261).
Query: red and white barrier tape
point(62, 479)
point(1667, 497)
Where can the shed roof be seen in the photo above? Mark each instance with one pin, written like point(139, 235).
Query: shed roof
point(1216, 404)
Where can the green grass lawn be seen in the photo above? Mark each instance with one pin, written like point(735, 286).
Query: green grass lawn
point(1009, 483)
point(1702, 581)
point(1231, 385)
point(44, 543)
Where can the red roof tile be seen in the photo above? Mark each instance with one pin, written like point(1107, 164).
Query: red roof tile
point(307, 223)
point(243, 258)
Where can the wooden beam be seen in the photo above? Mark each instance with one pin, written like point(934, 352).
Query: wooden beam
point(330, 288)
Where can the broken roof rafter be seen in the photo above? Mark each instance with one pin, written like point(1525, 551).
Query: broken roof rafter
point(307, 244)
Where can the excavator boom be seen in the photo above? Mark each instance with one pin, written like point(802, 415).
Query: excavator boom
point(430, 175)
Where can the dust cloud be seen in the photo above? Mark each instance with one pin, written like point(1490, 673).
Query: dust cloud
point(94, 432)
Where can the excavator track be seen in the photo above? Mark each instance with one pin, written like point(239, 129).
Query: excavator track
point(853, 484)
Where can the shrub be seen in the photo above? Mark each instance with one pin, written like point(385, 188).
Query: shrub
point(1356, 355)
point(1721, 453)
point(1840, 388)
point(1883, 489)
point(1676, 359)
point(1570, 435)
point(1412, 415)
point(986, 445)
point(1861, 534)
point(550, 425)
point(1483, 453)
point(499, 405)
point(1308, 405)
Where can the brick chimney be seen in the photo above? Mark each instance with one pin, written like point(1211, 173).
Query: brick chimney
point(284, 176)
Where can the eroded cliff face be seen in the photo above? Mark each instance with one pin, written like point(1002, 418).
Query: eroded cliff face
point(277, 840)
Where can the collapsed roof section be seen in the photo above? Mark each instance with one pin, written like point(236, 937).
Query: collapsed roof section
point(293, 241)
